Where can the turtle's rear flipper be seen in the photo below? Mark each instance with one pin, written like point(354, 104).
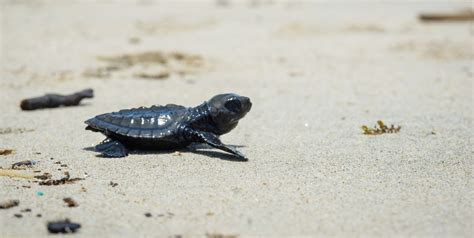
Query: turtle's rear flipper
point(111, 148)
point(213, 140)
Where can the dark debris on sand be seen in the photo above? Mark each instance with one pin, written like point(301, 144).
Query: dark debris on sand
point(6, 151)
point(64, 226)
point(70, 202)
point(65, 180)
point(9, 204)
point(22, 164)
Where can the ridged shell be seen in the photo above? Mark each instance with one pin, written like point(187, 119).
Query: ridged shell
point(152, 122)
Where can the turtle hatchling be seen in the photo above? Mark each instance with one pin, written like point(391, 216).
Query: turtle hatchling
point(170, 127)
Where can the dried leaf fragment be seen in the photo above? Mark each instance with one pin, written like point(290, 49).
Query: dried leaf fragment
point(70, 202)
point(380, 128)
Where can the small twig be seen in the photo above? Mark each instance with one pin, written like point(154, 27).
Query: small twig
point(464, 15)
point(56, 100)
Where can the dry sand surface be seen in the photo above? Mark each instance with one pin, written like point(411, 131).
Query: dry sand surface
point(316, 72)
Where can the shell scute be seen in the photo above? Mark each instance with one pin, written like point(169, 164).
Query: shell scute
point(153, 122)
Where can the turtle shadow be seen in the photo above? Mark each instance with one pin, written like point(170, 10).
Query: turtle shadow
point(200, 149)
point(206, 152)
point(205, 146)
point(220, 155)
point(89, 148)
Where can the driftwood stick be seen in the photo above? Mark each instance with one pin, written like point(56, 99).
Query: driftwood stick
point(463, 15)
point(56, 100)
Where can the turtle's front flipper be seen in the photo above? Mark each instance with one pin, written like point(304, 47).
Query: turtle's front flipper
point(213, 140)
point(111, 148)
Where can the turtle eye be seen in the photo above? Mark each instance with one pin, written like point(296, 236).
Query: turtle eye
point(233, 105)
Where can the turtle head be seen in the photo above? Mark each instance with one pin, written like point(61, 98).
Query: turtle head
point(227, 109)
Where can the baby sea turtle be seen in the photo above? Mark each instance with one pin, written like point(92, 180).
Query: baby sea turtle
point(171, 126)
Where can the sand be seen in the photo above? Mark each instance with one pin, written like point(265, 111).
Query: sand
point(315, 72)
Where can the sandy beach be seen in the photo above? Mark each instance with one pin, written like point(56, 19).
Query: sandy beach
point(315, 72)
